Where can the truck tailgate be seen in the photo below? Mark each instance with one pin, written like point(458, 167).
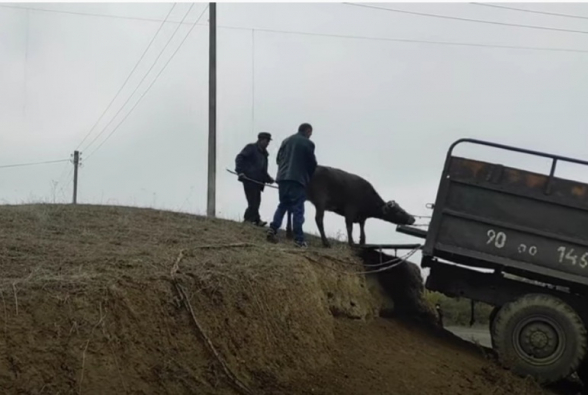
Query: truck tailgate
point(489, 215)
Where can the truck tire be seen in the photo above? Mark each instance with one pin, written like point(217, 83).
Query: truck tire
point(541, 336)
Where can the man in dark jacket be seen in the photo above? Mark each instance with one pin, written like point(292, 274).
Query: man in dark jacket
point(251, 166)
point(296, 165)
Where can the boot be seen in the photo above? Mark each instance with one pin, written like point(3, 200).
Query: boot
point(301, 244)
point(271, 236)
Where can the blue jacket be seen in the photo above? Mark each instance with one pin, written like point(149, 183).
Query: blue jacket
point(296, 160)
point(252, 161)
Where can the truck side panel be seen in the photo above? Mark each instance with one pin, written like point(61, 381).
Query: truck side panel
point(500, 216)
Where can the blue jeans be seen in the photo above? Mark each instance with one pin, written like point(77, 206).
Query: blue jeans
point(292, 198)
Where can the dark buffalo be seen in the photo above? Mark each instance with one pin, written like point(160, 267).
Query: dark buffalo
point(352, 197)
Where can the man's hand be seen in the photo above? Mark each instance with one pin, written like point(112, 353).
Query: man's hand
point(270, 180)
point(241, 177)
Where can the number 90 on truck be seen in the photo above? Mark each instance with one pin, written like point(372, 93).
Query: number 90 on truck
point(531, 231)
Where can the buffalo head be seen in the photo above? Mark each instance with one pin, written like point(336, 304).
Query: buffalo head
point(392, 212)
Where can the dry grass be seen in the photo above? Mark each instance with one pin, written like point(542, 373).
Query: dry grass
point(81, 280)
point(101, 300)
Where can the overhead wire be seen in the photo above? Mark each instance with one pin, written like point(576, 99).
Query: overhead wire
point(140, 82)
point(63, 173)
point(159, 20)
point(402, 40)
point(69, 181)
point(152, 83)
point(344, 36)
point(88, 14)
point(34, 163)
point(456, 18)
point(128, 77)
point(530, 11)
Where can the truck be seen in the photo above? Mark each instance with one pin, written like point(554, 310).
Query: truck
point(528, 233)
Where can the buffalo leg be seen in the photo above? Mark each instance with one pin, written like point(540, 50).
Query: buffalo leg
point(349, 225)
point(362, 232)
point(320, 214)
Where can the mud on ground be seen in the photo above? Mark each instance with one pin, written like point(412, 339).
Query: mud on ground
point(101, 300)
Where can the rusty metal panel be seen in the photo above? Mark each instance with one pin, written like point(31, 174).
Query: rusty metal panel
point(559, 190)
point(494, 215)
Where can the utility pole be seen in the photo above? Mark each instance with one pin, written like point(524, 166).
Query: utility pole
point(76, 163)
point(211, 201)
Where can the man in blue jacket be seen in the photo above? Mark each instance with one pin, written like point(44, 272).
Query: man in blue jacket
point(251, 166)
point(296, 165)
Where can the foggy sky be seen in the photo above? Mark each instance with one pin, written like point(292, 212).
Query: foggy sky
point(387, 111)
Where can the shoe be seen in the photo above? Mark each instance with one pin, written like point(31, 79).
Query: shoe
point(261, 224)
point(271, 236)
point(301, 244)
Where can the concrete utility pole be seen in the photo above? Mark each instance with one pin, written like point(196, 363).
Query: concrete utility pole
point(76, 163)
point(211, 201)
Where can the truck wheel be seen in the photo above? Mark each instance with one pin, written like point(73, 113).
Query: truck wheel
point(540, 336)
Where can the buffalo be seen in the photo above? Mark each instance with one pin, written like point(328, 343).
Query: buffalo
point(352, 197)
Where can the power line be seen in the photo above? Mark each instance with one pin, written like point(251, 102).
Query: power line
point(467, 19)
point(128, 77)
point(151, 85)
point(88, 14)
point(65, 168)
point(140, 82)
point(530, 11)
point(64, 185)
point(402, 40)
point(34, 163)
point(187, 23)
point(550, 49)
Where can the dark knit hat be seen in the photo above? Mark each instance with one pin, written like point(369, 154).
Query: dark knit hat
point(264, 135)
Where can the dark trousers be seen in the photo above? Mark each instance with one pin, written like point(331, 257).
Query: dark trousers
point(292, 198)
point(253, 195)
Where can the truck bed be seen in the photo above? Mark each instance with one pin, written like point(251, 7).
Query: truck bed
point(492, 216)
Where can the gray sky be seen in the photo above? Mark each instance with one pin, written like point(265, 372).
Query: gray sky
point(384, 110)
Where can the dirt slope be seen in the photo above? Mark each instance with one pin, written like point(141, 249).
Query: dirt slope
point(101, 300)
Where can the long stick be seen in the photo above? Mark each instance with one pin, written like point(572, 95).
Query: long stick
point(255, 181)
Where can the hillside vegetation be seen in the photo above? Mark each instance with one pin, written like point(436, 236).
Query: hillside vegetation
point(115, 300)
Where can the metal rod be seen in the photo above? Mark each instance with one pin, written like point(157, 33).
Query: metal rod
point(550, 178)
point(514, 149)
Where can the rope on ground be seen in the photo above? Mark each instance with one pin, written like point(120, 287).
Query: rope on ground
point(237, 384)
point(378, 267)
point(375, 265)
point(397, 261)
point(230, 245)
